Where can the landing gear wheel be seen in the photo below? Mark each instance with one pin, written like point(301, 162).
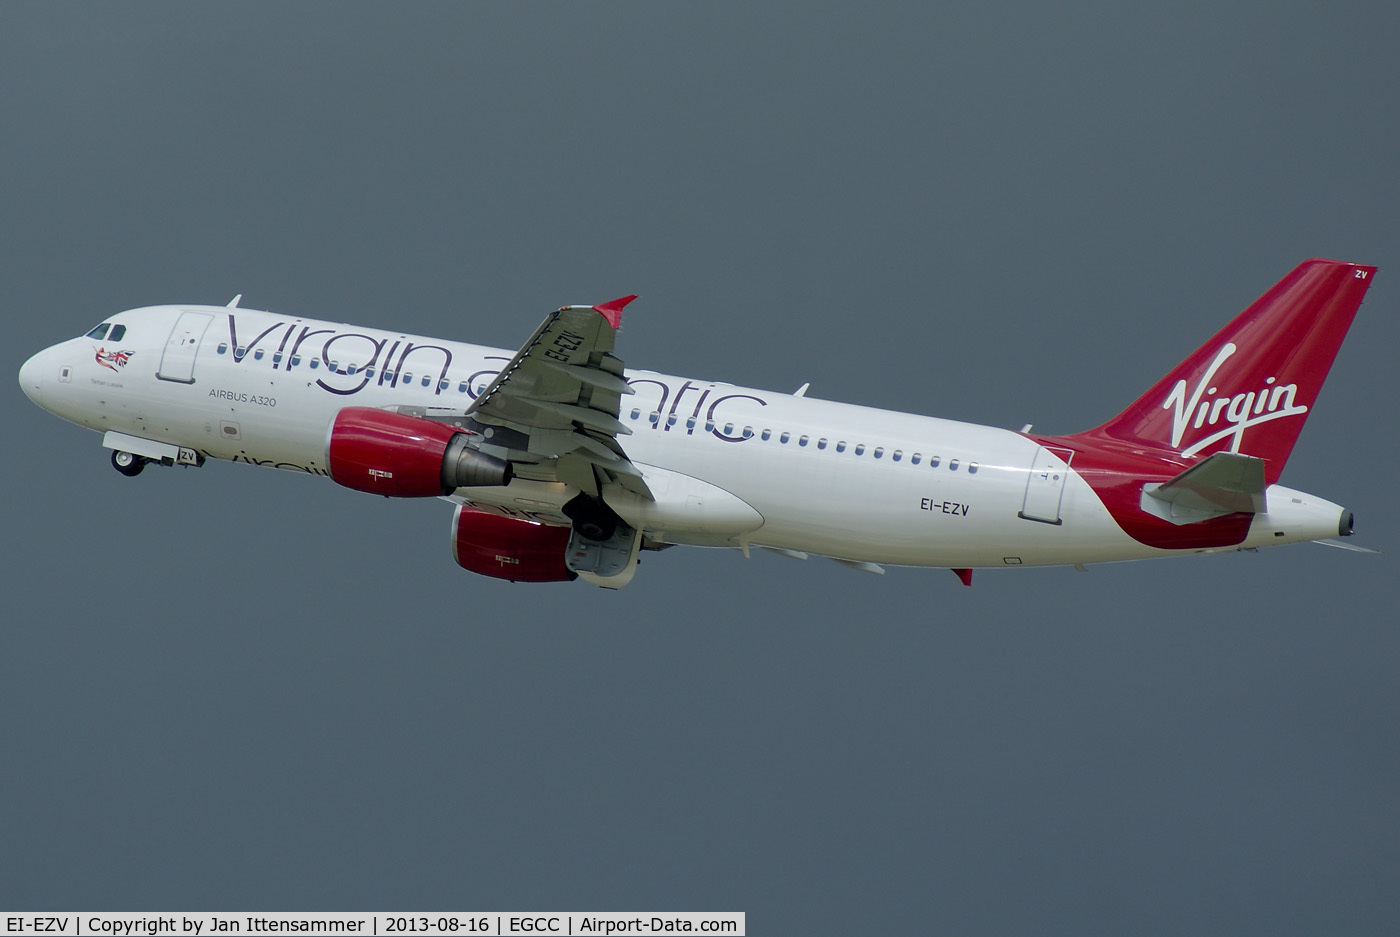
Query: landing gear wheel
point(599, 529)
point(592, 518)
point(128, 463)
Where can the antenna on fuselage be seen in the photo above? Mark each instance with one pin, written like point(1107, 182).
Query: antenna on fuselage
point(233, 303)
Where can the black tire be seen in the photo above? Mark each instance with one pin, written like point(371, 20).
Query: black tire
point(596, 528)
point(593, 519)
point(128, 463)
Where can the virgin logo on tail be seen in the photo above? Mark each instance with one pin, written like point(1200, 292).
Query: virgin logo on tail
point(1204, 407)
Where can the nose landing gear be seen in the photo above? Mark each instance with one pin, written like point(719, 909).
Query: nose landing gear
point(128, 463)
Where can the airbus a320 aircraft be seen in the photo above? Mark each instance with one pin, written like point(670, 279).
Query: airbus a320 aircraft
point(563, 464)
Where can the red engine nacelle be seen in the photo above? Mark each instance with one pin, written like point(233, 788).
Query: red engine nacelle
point(509, 548)
point(391, 454)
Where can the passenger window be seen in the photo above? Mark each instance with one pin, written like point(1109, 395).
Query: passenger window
point(933, 461)
point(118, 331)
point(239, 352)
point(972, 468)
point(426, 380)
point(223, 348)
point(690, 423)
point(407, 375)
point(821, 443)
point(729, 429)
point(277, 357)
point(879, 451)
point(315, 362)
point(444, 384)
point(953, 465)
point(636, 413)
point(369, 371)
point(671, 420)
point(860, 448)
point(653, 416)
point(784, 438)
point(257, 355)
point(766, 435)
point(351, 368)
point(914, 459)
point(296, 360)
point(334, 366)
point(709, 426)
point(100, 332)
point(841, 446)
point(896, 455)
point(748, 432)
point(462, 389)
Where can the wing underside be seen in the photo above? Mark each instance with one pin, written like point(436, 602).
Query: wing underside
point(553, 410)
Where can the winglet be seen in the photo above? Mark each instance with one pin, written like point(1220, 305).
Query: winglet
point(965, 575)
point(613, 311)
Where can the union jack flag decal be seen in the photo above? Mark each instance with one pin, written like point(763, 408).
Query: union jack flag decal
point(113, 359)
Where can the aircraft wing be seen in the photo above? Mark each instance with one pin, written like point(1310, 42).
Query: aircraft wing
point(554, 408)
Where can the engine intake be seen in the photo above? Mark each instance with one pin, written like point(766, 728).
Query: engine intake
point(394, 455)
point(510, 548)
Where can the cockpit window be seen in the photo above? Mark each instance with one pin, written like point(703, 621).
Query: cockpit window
point(117, 332)
point(100, 332)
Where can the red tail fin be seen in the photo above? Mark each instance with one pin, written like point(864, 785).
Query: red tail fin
point(1251, 386)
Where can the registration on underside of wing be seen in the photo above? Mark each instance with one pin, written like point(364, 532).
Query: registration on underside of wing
point(555, 407)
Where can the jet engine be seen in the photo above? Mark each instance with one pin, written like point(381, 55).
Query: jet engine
point(510, 548)
point(387, 453)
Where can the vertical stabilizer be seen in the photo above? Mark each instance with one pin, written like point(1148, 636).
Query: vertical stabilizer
point(1251, 386)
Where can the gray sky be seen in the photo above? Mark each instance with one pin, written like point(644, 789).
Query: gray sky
point(236, 688)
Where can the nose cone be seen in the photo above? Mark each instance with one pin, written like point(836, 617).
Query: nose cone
point(29, 379)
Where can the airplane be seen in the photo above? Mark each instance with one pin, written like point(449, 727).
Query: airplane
point(563, 465)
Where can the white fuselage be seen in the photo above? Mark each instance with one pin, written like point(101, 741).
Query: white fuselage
point(851, 482)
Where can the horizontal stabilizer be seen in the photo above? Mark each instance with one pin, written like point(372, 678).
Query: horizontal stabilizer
point(1342, 545)
point(1224, 483)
